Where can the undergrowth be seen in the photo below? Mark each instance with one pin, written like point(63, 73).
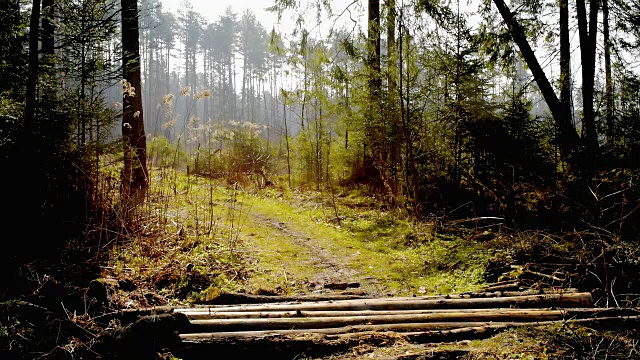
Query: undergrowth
point(561, 341)
point(198, 238)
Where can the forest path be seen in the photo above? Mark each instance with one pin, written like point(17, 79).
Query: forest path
point(293, 252)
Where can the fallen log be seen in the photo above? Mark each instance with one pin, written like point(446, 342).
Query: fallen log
point(130, 315)
point(204, 314)
point(415, 332)
point(127, 316)
point(479, 332)
point(292, 346)
point(526, 270)
point(301, 322)
point(349, 329)
point(248, 299)
point(233, 299)
point(570, 300)
point(504, 282)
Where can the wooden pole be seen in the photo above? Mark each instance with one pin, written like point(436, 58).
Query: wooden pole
point(571, 300)
point(418, 332)
point(284, 323)
point(208, 315)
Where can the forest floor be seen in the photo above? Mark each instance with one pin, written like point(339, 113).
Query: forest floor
point(220, 239)
point(204, 238)
point(302, 246)
point(198, 241)
point(217, 239)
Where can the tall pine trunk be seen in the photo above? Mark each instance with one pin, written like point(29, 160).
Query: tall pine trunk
point(565, 60)
point(135, 181)
point(32, 79)
point(47, 27)
point(609, 104)
point(587, 30)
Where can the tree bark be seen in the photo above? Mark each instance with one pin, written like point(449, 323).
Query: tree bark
point(48, 11)
point(374, 137)
point(392, 316)
point(609, 104)
point(360, 328)
point(32, 78)
point(286, 135)
point(417, 332)
point(237, 298)
point(417, 303)
point(135, 177)
point(588, 32)
point(565, 61)
point(373, 51)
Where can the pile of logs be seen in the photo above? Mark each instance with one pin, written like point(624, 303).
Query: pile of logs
point(418, 319)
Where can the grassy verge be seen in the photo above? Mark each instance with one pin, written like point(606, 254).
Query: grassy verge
point(200, 238)
point(186, 245)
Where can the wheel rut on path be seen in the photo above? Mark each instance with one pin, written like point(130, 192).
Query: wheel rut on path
point(334, 264)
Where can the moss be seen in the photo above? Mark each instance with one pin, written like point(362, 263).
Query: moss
point(403, 256)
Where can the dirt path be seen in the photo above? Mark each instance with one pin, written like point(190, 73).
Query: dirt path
point(331, 267)
point(305, 259)
point(294, 246)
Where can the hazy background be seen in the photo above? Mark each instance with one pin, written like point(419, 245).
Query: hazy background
point(212, 10)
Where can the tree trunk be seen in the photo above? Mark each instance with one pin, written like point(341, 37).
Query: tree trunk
point(416, 332)
point(435, 327)
point(565, 61)
point(225, 321)
point(588, 31)
point(232, 94)
point(243, 100)
point(609, 104)
point(135, 180)
point(48, 11)
point(286, 137)
point(373, 50)
point(568, 137)
point(32, 79)
point(48, 93)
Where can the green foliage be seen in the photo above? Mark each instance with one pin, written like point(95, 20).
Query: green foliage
point(555, 341)
point(623, 150)
point(236, 153)
point(162, 153)
point(10, 124)
point(13, 41)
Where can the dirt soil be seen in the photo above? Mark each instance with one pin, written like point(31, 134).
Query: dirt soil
point(332, 268)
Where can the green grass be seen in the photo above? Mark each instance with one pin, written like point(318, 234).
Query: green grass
point(184, 225)
point(402, 255)
point(229, 239)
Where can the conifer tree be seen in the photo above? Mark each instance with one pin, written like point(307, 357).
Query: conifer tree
point(135, 179)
